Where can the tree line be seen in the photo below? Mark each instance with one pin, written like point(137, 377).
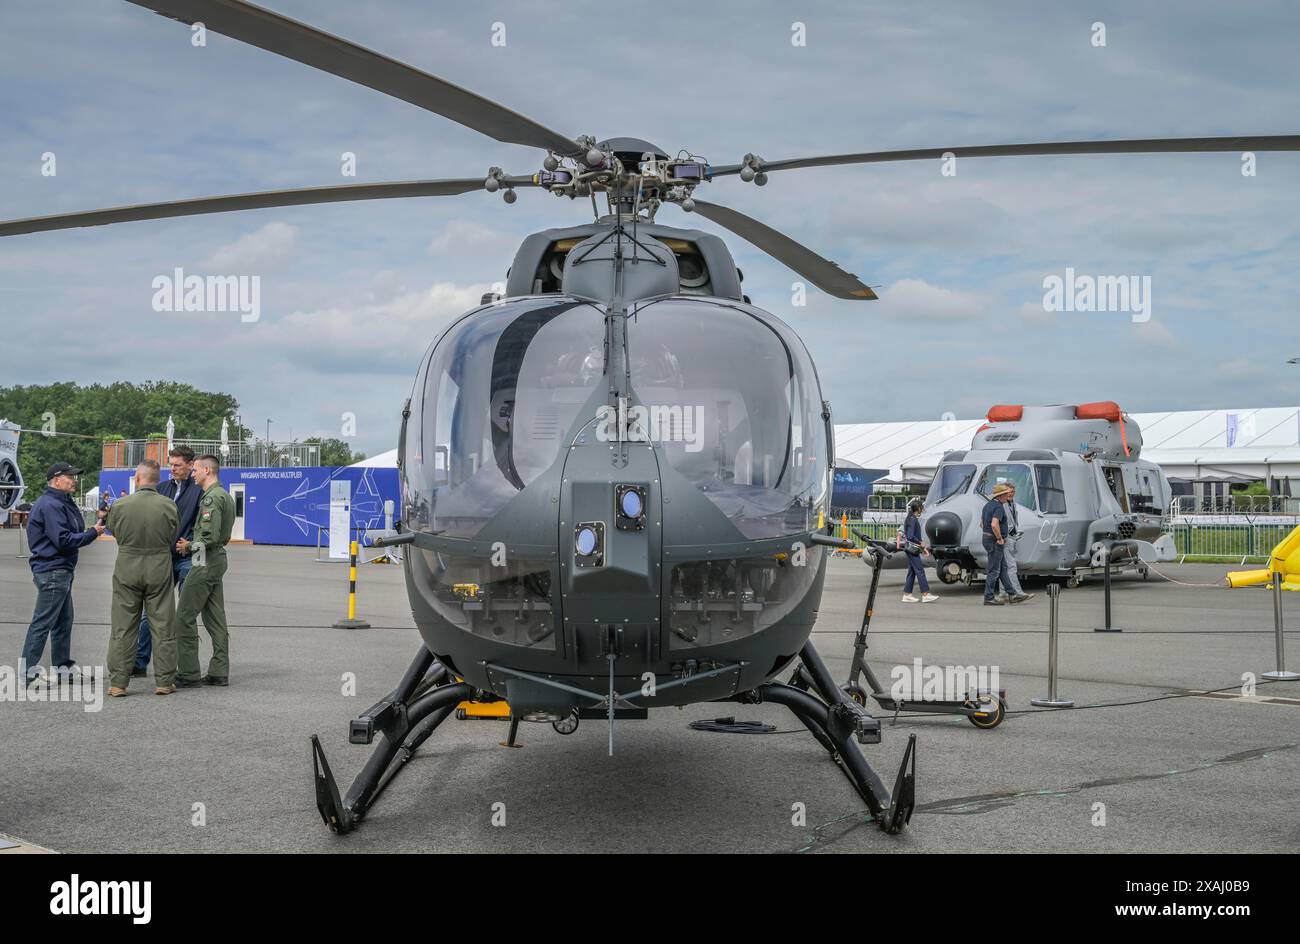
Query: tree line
point(68, 422)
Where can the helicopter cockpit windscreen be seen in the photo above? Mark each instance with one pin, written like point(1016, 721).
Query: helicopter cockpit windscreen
point(951, 479)
point(734, 403)
point(502, 390)
point(1011, 473)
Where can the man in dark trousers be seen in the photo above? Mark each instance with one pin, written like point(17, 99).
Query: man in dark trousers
point(996, 530)
point(181, 489)
point(144, 524)
point(56, 531)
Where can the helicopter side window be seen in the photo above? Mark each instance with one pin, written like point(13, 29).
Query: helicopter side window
point(503, 388)
point(950, 480)
point(1013, 473)
point(751, 435)
point(1051, 489)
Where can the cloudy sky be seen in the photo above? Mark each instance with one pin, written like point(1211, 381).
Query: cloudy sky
point(351, 294)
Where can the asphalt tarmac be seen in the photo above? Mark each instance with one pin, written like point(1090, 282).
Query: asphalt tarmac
point(224, 770)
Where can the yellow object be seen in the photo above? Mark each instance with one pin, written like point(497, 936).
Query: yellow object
point(352, 581)
point(1285, 561)
point(466, 591)
point(821, 518)
point(844, 526)
point(484, 709)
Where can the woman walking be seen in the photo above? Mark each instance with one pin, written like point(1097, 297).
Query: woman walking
point(914, 546)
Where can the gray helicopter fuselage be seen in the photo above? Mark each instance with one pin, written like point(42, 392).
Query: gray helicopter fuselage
point(534, 415)
point(1068, 500)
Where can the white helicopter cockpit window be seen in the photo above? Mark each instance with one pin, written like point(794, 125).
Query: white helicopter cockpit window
point(1013, 473)
point(950, 480)
point(734, 404)
point(503, 388)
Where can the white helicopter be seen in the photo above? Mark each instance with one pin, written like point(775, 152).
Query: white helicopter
point(11, 477)
point(1083, 493)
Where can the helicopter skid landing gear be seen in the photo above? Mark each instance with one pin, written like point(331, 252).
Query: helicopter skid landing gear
point(426, 696)
point(838, 723)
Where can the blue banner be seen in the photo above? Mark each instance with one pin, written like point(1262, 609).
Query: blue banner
point(292, 505)
point(851, 487)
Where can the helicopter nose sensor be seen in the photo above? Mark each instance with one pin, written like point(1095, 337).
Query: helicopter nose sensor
point(630, 503)
point(943, 528)
point(589, 544)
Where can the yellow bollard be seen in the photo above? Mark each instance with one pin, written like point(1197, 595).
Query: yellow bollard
point(352, 622)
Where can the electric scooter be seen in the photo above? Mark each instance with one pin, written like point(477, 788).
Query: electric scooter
point(984, 708)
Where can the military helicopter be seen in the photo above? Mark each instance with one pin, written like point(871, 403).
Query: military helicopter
point(11, 477)
point(1084, 494)
point(612, 472)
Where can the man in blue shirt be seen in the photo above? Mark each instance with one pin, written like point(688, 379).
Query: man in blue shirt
point(185, 492)
point(56, 531)
point(995, 530)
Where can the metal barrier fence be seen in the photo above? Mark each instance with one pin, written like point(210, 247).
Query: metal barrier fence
point(1235, 505)
point(1230, 537)
point(881, 526)
point(251, 454)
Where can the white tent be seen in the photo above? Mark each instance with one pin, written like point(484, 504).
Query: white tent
point(385, 460)
point(1190, 445)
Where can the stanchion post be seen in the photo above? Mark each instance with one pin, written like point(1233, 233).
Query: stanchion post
point(1281, 674)
point(1106, 591)
point(352, 622)
point(1053, 617)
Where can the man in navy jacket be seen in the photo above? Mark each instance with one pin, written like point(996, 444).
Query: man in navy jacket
point(185, 492)
point(55, 532)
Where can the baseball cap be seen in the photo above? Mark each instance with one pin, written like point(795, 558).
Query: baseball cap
point(61, 468)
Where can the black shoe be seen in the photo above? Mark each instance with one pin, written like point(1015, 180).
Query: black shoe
point(139, 672)
point(215, 680)
point(186, 683)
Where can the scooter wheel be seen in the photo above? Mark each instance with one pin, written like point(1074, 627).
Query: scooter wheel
point(566, 725)
point(995, 712)
point(856, 693)
point(1071, 582)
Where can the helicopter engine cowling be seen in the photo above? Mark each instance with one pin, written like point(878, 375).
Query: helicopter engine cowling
point(649, 269)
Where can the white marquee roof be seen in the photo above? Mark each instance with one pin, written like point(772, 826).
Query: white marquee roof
point(1187, 444)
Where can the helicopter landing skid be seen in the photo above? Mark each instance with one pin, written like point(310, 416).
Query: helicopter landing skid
point(836, 723)
point(426, 696)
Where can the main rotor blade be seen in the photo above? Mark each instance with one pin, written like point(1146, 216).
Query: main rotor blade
point(1274, 142)
point(822, 273)
point(293, 40)
point(252, 201)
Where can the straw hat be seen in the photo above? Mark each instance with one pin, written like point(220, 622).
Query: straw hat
point(1002, 488)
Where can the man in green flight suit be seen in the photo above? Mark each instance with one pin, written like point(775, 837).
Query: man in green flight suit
point(144, 524)
point(202, 592)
